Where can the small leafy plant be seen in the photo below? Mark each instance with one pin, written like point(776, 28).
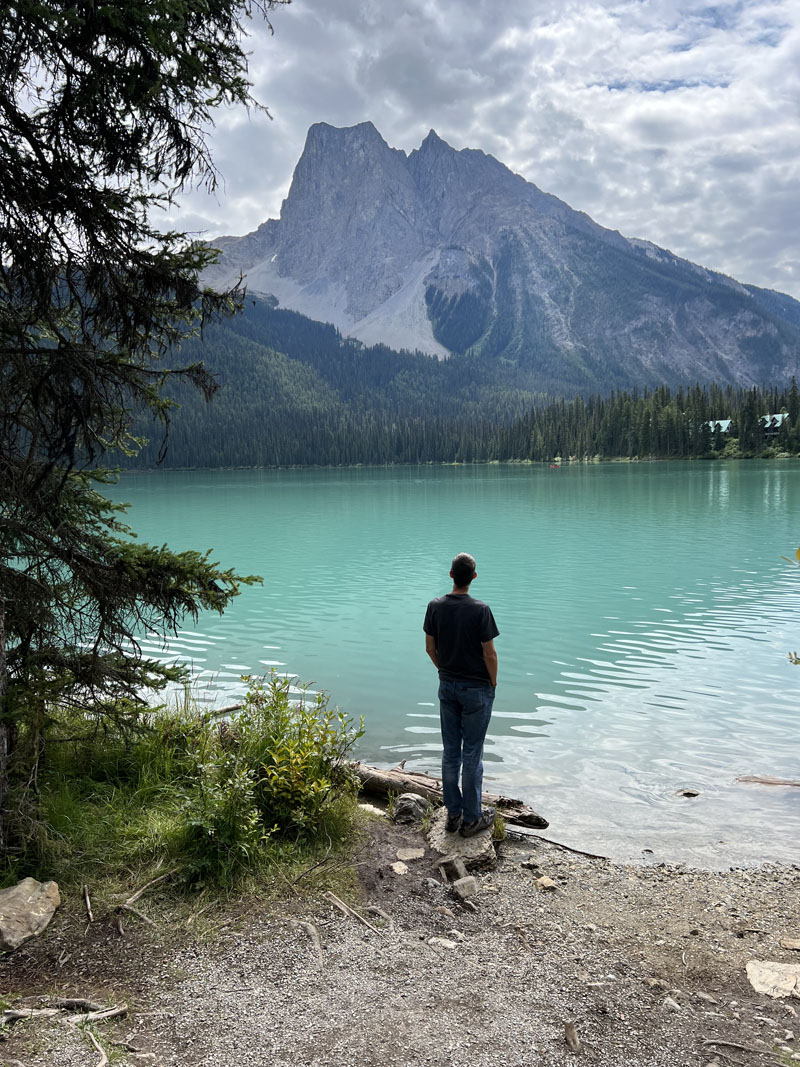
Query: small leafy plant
point(279, 768)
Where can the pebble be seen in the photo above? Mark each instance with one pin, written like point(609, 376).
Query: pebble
point(399, 868)
point(466, 887)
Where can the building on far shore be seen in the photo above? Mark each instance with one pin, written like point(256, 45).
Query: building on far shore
point(770, 424)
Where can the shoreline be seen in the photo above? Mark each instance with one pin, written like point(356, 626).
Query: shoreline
point(586, 462)
point(645, 967)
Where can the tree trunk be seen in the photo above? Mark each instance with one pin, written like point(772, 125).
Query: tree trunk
point(398, 780)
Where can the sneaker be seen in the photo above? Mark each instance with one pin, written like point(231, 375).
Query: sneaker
point(484, 822)
point(453, 823)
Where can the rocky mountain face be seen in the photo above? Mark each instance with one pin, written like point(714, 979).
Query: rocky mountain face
point(450, 253)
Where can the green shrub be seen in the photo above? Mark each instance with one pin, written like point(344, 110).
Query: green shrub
point(280, 768)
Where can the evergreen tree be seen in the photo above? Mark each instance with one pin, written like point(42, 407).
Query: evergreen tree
point(102, 112)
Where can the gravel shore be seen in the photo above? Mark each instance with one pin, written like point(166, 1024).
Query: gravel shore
point(617, 965)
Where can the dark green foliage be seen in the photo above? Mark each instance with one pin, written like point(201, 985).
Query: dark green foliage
point(102, 108)
point(459, 321)
point(658, 423)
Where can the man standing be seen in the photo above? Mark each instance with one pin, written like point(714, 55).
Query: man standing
point(459, 638)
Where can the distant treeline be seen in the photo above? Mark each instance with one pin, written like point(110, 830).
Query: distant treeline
point(295, 392)
point(659, 423)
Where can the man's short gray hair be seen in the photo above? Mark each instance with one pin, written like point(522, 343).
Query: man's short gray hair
point(463, 568)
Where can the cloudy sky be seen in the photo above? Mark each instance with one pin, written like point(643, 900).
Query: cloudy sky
point(665, 119)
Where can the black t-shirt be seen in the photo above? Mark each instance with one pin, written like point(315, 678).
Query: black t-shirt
point(459, 625)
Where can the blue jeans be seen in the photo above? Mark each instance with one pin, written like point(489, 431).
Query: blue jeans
point(464, 712)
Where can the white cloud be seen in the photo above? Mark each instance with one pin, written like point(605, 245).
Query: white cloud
point(660, 118)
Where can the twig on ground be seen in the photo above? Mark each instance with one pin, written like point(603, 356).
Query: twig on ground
point(313, 933)
point(741, 1048)
point(340, 904)
point(373, 909)
point(558, 844)
point(150, 884)
point(314, 866)
point(103, 1058)
point(199, 911)
point(88, 904)
point(11, 1015)
point(135, 911)
point(97, 1016)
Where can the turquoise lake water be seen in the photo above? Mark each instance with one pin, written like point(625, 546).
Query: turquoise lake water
point(645, 616)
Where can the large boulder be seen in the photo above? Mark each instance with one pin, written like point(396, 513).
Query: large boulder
point(25, 910)
point(477, 853)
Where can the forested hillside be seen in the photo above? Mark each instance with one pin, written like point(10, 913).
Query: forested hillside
point(294, 392)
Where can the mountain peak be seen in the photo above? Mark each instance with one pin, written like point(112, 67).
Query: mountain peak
point(434, 143)
point(322, 133)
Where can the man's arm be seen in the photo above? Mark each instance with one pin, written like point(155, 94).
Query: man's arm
point(490, 659)
point(430, 648)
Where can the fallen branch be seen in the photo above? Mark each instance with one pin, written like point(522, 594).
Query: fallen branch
point(135, 911)
point(399, 780)
point(568, 848)
point(741, 1048)
point(103, 1058)
point(313, 933)
point(12, 1015)
point(340, 904)
point(150, 884)
point(88, 904)
point(97, 1016)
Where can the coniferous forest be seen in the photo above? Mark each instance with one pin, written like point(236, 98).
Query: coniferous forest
point(295, 392)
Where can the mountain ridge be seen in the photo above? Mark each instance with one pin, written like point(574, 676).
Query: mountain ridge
point(449, 252)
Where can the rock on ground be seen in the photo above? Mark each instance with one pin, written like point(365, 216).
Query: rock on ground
point(410, 808)
point(25, 911)
point(774, 979)
point(477, 853)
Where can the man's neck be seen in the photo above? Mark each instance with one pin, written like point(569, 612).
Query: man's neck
point(460, 590)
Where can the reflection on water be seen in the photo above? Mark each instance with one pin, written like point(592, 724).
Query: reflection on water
point(644, 610)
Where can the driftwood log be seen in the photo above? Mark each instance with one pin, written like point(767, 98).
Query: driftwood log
point(399, 780)
point(766, 779)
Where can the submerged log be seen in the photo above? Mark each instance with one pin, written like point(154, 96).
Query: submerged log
point(766, 779)
point(399, 780)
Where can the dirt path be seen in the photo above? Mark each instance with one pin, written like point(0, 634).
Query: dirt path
point(648, 963)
